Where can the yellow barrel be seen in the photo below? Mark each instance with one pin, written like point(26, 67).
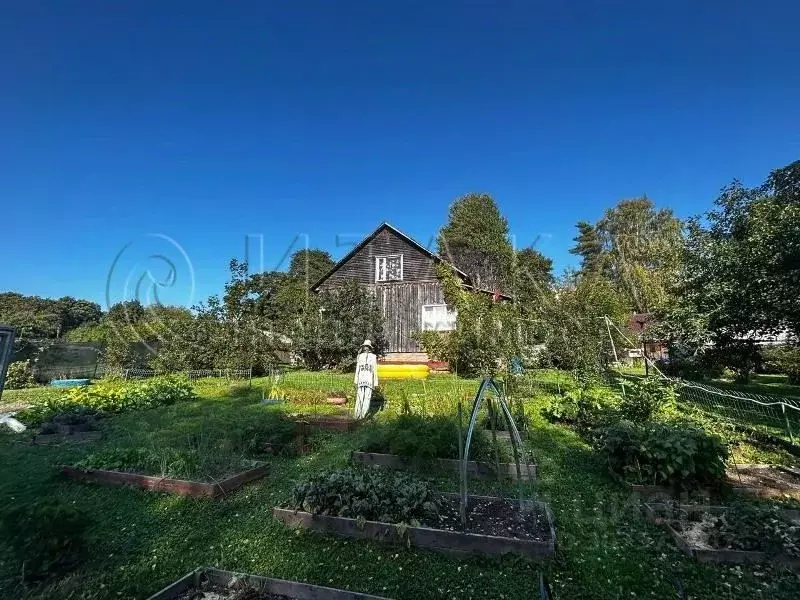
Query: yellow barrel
point(403, 371)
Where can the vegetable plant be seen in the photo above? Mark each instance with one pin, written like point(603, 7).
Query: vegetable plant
point(661, 454)
point(370, 494)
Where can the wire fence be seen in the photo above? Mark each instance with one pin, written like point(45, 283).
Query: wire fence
point(193, 374)
point(777, 417)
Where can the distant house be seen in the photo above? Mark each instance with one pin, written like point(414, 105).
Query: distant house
point(655, 349)
point(402, 274)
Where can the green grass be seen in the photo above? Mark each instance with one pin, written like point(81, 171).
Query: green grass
point(770, 385)
point(142, 541)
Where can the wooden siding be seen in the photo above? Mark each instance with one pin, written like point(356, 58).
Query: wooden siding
point(401, 306)
point(417, 266)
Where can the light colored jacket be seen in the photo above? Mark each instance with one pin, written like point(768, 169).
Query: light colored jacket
point(366, 370)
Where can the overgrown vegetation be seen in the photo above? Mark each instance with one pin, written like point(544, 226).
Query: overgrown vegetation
point(19, 375)
point(204, 462)
point(141, 541)
point(112, 396)
point(662, 454)
point(645, 399)
point(425, 438)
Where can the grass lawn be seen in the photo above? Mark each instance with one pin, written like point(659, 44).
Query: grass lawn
point(141, 541)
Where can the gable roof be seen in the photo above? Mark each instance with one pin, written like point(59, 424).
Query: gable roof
point(411, 241)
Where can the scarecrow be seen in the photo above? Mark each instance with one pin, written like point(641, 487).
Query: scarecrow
point(366, 378)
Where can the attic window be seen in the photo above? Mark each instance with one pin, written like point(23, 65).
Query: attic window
point(389, 268)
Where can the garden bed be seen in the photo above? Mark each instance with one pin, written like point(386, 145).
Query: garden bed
point(181, 487)
point(495, 527)
point(765, 481)
point(331, 422)
point(659, 492)
point(480, 470)
point(687, 531)
point(214, 584)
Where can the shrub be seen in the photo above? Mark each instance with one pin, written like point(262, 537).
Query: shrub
point(425, 438)
point(660, 454)
point(692, 364)
point(785, 361)
point(585, 410)
point(371, 494)
point(112, 396)
point(47, 536)
point(646, 398)
point(19, 375)
point(740, 356)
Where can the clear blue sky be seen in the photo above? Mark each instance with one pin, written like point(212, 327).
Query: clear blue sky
point(206, 122)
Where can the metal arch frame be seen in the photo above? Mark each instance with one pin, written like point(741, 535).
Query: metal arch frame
point(516, 438)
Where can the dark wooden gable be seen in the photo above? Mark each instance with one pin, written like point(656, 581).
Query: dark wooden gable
point(419, 264)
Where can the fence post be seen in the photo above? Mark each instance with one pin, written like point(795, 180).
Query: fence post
point(785, 418)
point(250, 376)
point(126, 374)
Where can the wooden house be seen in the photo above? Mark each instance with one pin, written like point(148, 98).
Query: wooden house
point(401, 273)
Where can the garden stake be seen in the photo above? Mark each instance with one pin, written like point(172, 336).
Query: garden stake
point(463, 483)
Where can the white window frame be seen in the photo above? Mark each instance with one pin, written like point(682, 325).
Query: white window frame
point(378, 270)
point(448, 309)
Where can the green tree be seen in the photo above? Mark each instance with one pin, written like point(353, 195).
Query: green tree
point(534, 279)
point(742, 259)
point(475, 239)
point(637, 247)
point(45, 317)
point(588, 246)
point(577, 335)
point(309, 265)
point(335, 323)
point(486, 336)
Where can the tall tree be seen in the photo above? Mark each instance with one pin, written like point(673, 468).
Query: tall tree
point(637, 247)
point(743, 258)
point(475, 239)
point(588, 246)
point(309, 265)
point(533, 287)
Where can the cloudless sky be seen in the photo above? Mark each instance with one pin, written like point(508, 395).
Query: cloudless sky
point(208, 122)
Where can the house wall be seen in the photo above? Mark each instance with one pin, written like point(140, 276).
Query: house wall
point(417, 266)
point(401, 306)
point(400, 302)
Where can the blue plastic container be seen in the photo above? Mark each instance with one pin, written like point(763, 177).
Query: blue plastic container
point(69, 382)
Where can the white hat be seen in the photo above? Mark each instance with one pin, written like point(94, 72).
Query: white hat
point(366, 343)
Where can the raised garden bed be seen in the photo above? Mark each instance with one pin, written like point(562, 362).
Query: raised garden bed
point(480, 470)
point(214, 584)
point(660, 492)
point(686, 530)
point(173, 486)
point(765, 481)
point(495, 527)
point(329, 422)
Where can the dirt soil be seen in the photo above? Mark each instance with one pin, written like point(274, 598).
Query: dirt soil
point(765, 477)
point(496, 517)
point(222, 593)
